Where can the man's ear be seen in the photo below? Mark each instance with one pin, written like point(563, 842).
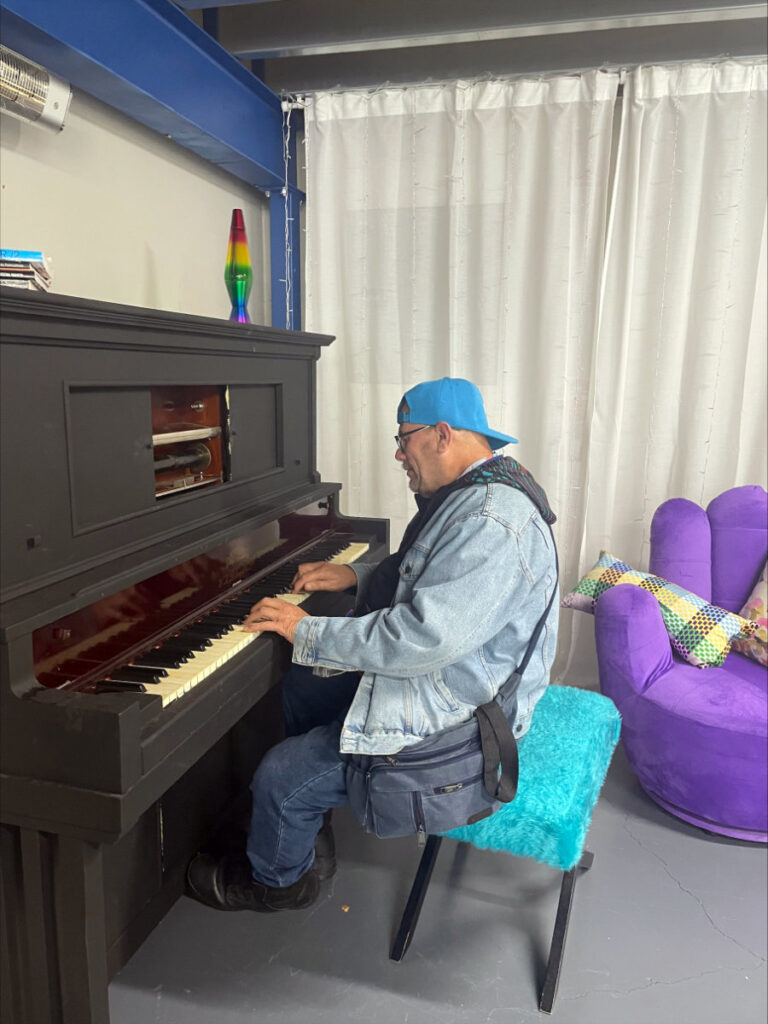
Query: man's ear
point(444, 433)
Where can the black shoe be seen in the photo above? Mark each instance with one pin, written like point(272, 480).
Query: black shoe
point(225, 883)
point(325, 850)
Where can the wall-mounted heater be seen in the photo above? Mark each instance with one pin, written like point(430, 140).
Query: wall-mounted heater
point(30, 92)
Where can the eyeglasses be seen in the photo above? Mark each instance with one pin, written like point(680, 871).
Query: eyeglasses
point(401, 439)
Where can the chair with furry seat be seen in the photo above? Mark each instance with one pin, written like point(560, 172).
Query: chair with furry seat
point(563, 762)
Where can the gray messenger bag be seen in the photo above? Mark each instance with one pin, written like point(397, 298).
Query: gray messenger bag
point(456, 777)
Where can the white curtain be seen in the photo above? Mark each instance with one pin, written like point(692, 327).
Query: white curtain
point(461, 230)
point(679, 396)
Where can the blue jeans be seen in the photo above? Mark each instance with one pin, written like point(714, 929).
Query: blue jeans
point(300, 778)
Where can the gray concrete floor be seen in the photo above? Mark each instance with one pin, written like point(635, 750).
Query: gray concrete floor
point(668, 927)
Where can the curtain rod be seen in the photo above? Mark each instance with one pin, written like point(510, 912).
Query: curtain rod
point(620, 69)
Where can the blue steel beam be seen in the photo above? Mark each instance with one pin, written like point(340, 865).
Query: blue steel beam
point(147, 59)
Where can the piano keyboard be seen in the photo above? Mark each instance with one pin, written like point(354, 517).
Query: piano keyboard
point(201, 648)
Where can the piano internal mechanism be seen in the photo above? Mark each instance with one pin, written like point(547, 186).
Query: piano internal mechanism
point(189, 432)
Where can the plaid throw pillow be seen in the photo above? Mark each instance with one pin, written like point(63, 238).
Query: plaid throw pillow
point(699, 631)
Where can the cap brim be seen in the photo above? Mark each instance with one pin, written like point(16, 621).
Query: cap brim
point(499, 440)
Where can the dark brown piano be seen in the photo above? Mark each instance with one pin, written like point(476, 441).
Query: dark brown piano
point(158, 477)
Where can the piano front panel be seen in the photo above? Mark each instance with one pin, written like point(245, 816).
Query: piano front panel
point(77, 402)
point(154, 853)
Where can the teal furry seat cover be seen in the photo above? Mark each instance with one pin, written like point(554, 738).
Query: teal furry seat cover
point(563, 761)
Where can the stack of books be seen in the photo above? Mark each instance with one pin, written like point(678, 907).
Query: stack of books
point(24, 268)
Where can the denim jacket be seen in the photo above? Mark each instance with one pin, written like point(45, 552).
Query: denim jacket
point(471, 591)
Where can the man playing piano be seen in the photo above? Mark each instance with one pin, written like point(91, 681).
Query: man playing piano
point(438, 627)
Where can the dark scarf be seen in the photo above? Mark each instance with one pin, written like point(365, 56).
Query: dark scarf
point(500, 469)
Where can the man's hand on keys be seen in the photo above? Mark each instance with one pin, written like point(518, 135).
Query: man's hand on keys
point(280, 615)
point(322, 576)
point(273, 615)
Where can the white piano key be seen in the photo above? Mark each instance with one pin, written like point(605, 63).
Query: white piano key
point(350, 553)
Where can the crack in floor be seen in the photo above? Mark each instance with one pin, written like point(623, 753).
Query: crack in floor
point(758, 957)
point(651, 983)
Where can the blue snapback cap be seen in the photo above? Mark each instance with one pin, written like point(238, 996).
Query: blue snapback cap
point(452, 400)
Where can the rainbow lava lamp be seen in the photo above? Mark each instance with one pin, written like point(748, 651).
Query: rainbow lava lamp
point(237, 272)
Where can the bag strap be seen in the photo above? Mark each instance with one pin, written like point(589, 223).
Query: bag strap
point(540, 624)
point(517, 674)
point(501, 767)
point(500, 761)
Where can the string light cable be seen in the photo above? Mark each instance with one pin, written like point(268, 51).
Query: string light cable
point(288, 104)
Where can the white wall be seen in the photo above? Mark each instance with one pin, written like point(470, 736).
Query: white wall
point(127, 215)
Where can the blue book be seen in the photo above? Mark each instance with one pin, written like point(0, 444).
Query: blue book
point(28, 255)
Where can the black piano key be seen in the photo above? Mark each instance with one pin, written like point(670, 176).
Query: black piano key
point(241, 609)
point(183, 650)
point(251, 595)
point(207, 628)
point(255, 595)
point(224, 628)
point(224, 618)
point(258, 593)
point(114, 686)
point(156, 661)
point(130, 674)
point(218, 619)
point(159, 670)
point(157, 657)
point(189, 641)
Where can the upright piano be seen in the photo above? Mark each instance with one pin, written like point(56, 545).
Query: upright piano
point(158, 477)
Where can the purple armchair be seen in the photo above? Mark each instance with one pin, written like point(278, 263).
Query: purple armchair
point(697, 739)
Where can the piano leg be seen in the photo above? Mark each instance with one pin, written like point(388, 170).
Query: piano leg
point(53, 924)
point(22, 943)
point(79, 899)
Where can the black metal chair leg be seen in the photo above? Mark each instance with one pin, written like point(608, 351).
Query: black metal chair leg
point(557, 949)
point(416, 898)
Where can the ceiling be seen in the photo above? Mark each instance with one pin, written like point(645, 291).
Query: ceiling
point(301, 45)
point(217, 92)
